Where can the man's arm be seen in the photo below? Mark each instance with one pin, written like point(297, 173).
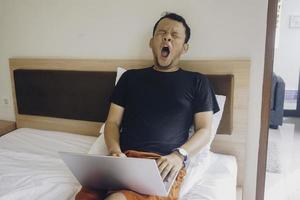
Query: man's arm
point(202, 124)
point(111, 130)
point(170, 164)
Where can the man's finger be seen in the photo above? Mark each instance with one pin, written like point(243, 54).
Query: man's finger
point(160, 160)
point(117, 154)
point(166, 171)
point(122, 155)
point(162, 166)
point(172, 173)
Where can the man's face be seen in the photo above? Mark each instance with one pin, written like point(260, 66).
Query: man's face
point(168, 43)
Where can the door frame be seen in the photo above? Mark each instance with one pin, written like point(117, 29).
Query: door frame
point(266, 96)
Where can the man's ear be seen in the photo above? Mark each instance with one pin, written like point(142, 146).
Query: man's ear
point(150, 43)
point(185, 47)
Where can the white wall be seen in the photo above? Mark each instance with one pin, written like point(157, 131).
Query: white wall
point(121, 29)
point(287, 56)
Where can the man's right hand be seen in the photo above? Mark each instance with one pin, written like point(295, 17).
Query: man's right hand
point(117, 154)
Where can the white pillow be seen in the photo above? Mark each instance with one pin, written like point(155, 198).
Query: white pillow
point(120, 71)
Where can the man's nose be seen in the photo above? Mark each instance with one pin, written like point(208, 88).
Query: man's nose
point(167, 38)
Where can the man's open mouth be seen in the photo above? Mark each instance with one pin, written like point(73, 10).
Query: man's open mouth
point(165, 51)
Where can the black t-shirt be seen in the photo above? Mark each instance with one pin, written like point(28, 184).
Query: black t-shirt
point(159, 107)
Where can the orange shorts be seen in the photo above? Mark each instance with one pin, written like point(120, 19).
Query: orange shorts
point(131, 195)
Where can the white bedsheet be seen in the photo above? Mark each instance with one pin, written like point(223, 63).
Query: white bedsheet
point(45, 142)
point(30, 168)
point(218, 182)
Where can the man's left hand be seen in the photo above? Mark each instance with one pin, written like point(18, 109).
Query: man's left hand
point(169, 165)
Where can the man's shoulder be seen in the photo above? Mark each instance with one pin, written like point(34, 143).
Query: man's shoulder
point(196, 75)
point(134, 74)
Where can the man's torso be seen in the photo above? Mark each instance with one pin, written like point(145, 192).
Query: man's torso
point(158, 109)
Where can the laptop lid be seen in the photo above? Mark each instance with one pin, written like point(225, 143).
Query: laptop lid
point(114, 173)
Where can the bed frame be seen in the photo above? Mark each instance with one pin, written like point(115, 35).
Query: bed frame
point(234, 125)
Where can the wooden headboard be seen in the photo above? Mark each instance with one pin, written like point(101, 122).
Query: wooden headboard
point(229, 78)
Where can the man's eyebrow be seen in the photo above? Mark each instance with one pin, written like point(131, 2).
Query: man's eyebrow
point(161, 30)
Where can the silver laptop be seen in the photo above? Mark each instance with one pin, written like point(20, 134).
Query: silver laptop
point(114, 173)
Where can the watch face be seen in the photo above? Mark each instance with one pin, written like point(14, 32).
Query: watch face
point(182, 152)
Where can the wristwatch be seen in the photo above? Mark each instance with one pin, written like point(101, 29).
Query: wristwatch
point(183, 153)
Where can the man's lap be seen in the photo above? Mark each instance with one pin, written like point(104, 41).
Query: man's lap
point(86, 194)
point(173, 195)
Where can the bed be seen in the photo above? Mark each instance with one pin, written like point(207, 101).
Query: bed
point(29, 162)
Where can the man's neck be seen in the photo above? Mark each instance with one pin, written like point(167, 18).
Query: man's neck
point(166, 69)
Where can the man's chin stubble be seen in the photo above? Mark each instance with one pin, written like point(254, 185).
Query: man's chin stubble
point(158, 65)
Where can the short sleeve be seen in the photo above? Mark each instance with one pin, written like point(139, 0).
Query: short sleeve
point(119, 94)
point(205, 98)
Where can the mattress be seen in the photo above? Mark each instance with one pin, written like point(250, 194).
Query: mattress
point(30, 168)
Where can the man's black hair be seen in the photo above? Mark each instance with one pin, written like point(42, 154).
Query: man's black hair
point(178, 18)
